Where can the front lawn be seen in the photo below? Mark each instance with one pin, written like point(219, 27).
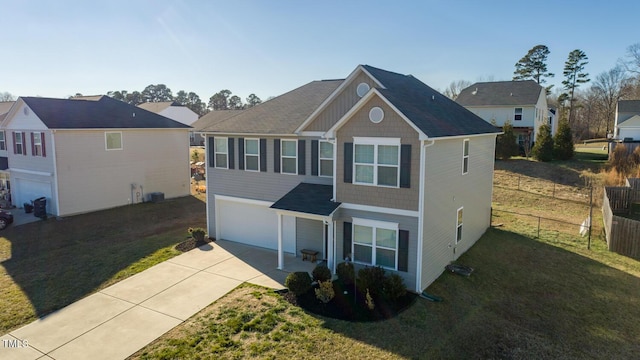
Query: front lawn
point(49, 264)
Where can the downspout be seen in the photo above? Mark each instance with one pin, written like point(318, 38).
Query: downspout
point(421, 201)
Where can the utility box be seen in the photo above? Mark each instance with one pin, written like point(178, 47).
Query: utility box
point(156, 197)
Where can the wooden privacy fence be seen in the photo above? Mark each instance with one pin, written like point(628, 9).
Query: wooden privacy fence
point(623, 234)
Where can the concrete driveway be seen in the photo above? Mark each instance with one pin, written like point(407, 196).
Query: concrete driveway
point(121, 319)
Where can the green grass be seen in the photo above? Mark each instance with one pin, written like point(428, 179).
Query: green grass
point(47, 265)
point(529, 298)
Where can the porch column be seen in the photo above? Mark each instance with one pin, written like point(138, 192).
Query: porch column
point(280, 252)
point(331, 247)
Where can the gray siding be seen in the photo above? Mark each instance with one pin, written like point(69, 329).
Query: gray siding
point(446, 190)
point(404, 223)
point(392, 126)
point(309, 236)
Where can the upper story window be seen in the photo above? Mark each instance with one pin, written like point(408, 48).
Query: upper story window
point(3, 142)
point(377, 161)
point(459, 225)
point(113, 140)
point(252, 154)
point(36, 140)
point(325, 159)
point(289, 157)
point(375, 243)
point(465, 156)
point(18, 143)
point(517, 115)
point(221, 153)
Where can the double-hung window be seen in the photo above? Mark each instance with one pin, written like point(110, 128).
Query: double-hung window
point(465, 156)
point(19, 143)
point(289, 157)
point(113, 140)
point(377, 161)
point(375, 243)
point(517, 114)
point(252, 154)
point(37, 144)
point(325, 162)
point(221, 152)
point(3, 143)
point(459, 225)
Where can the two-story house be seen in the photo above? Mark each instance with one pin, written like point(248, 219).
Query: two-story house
point(5, 106)
point(177, 112)
point(523, 103)
point(84, 155)
point(627, 122)
point(377, 168)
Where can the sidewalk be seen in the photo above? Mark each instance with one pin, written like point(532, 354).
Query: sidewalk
point(121, 319)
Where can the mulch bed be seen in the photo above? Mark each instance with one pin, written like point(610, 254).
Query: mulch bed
point(191, 244)
point(349, 307)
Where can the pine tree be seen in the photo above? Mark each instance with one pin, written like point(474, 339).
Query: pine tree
point(506, 145)
point(533, 65)
point(574, 75)
point(543, 149)
point(563, 142)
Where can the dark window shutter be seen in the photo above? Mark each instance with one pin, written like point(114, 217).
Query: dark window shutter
point(263, 155)
point(348, 162)
point(231, 152)
point(405, 166)
point(33, 145)
point(241, 153)
point(24, 144)
point(314, 157)
point(346, 240)
point(301, 158)
point(15, 146)
point(403, 251)
point(276, 155)
point(212, 153)
point(44, 148)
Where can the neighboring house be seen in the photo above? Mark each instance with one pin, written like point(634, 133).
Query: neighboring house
point(86, 155)
point(627, 125)
point(5, 183)
point(377, 168)
point(177, 112)
point(523, 103)
point(209, 119)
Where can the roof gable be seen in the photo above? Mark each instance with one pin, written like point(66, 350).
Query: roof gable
point(633, 121)
point(500, 93)
point(157, 107)
point(105, 113)
point(214, 117)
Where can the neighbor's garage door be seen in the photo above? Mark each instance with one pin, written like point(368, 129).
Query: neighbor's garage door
point(26, 190)
point(248, 223)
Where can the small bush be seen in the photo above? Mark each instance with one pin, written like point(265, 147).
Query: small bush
point(197, 233)
point(370, 304)
point(393, 287)
point(372, 279)
point(506, 145)
point(563, 148)
point(298, 282)
point(543, 148)
point(346, 273)
point(325, 292)
point(321, 273)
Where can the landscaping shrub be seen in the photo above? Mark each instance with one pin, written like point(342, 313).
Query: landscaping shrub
point(563, 148)
point(321, 273)
point(506, 145)
point(543, 148)
point(298, 282)
point(325, 291)
point(393, 287)
point(371, 278)
point(346, 273)
point(197, 233)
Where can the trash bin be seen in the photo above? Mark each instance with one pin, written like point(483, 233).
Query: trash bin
point(28, 208)
point(40, 207)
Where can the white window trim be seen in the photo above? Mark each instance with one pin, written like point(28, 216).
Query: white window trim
point(465, 157)
point(282, 156)
point(215, 152)
point(320, 158)
point(37, 143)
point(459, 225)
point(375, 224)
point(376, 142)
point(254, 155)
point(21, 143)
point(106, 144)
point(515, 113)
point(3, 141)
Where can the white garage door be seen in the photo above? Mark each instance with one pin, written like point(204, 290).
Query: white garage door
point(250, 224)
point(26, 190)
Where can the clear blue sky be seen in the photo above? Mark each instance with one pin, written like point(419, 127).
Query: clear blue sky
point(58, 48)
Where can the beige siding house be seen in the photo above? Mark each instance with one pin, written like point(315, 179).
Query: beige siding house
point(86, 155)
point(378, 169)
point(177, 112)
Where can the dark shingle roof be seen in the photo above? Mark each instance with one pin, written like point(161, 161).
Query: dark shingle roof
point(106, 113)
point(280, 115)
point(629, 106)
point(308, 198)
point(504, 93)
point(214, 117)
point(433, 113)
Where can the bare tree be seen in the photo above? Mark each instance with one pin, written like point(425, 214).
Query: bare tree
point(632, 63)
point(453, 90)
point(610, 86)
point(6, 96)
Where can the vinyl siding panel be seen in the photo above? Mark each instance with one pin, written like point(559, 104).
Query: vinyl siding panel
point(502, 114)
point(30, 162)
point(91, 178)
point(404, 223)
point(340, 105)
point(309, 236)
point(392, 126)
point(446, 190)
